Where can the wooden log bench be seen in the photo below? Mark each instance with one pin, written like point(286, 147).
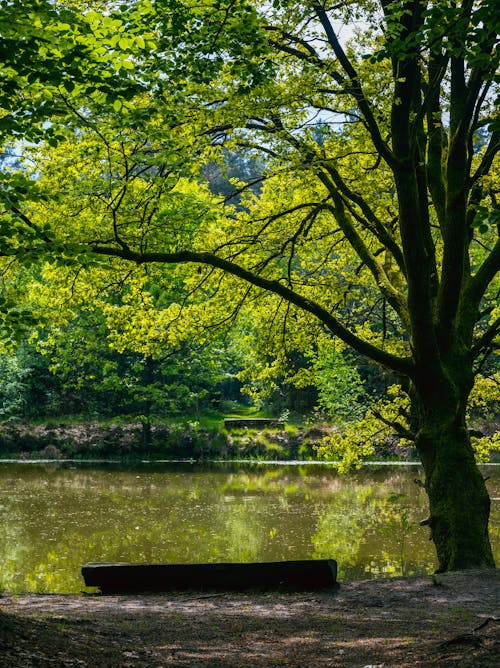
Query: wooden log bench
point(117, 578)
point(253, 423)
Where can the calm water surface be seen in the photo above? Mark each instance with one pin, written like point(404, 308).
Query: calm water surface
point(56, 517)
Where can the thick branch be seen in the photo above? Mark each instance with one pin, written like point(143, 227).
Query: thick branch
point(488, 157)
point(436, 137)
point(385, 286)
point(486, 339)
point(399, 364)
point(408, 142)
point(466, 99)
point(479, 283)
point(27, 221)
point(309, 54)
point(373, 223)
point(394, 424)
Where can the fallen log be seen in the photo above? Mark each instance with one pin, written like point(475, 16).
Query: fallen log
point(113, 578)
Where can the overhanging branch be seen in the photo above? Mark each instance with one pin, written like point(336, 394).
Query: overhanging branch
point(398, 364)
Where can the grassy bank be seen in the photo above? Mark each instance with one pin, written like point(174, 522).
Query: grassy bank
point(189, 439)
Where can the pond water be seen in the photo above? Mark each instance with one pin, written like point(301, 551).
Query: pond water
point(57, 516)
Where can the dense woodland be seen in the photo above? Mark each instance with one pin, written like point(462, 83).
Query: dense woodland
point(73, 370)
point(296, 200)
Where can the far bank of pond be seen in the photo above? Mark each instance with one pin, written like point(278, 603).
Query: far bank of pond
point(183, 439)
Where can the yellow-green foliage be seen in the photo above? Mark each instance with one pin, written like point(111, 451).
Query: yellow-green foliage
point(486, 391)
point(356, 440)
point(484, 446)
point(485, 397)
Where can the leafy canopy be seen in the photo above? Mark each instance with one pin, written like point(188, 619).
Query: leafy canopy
point(377, 213)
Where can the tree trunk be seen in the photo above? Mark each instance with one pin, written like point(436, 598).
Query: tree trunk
point(459, 503)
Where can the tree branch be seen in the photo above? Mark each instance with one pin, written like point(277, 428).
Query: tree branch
point(356, 88)
point(394, 424)
point(488, 157)
point(399, 364)
point(478, 284)
point(393, 296)
point(373, 223)
point(486, 339)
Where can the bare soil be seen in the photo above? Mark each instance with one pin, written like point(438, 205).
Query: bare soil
point(445, 620)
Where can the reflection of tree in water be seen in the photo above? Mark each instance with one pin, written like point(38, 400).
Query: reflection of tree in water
point(56, 521)
point(234, 534)
point(342, 529)
point(270, 481)
point(127, 517)
point(370, 531)
point(12, 547)
point(244, 536)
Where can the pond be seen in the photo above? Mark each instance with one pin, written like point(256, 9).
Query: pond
point(58, 516)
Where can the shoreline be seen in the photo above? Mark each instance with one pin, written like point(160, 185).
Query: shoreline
point(181, 440)
point(197, 462)
point(442, 620)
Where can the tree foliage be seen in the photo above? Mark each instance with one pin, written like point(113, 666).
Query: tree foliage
point(377, 220)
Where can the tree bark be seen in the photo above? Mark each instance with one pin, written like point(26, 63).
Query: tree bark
point(459, 503)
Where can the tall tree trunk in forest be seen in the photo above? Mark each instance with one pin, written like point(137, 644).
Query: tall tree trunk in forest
point(459, 503)
point(442, 309)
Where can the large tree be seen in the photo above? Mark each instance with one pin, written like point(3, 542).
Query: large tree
point(380, 148)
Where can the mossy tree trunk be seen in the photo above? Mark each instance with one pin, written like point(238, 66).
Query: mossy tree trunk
point(434, 180)
point(459, 503)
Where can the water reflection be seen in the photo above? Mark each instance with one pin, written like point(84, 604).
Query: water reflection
point(55, 518)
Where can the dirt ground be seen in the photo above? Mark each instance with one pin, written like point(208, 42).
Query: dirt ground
point(445, 620)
